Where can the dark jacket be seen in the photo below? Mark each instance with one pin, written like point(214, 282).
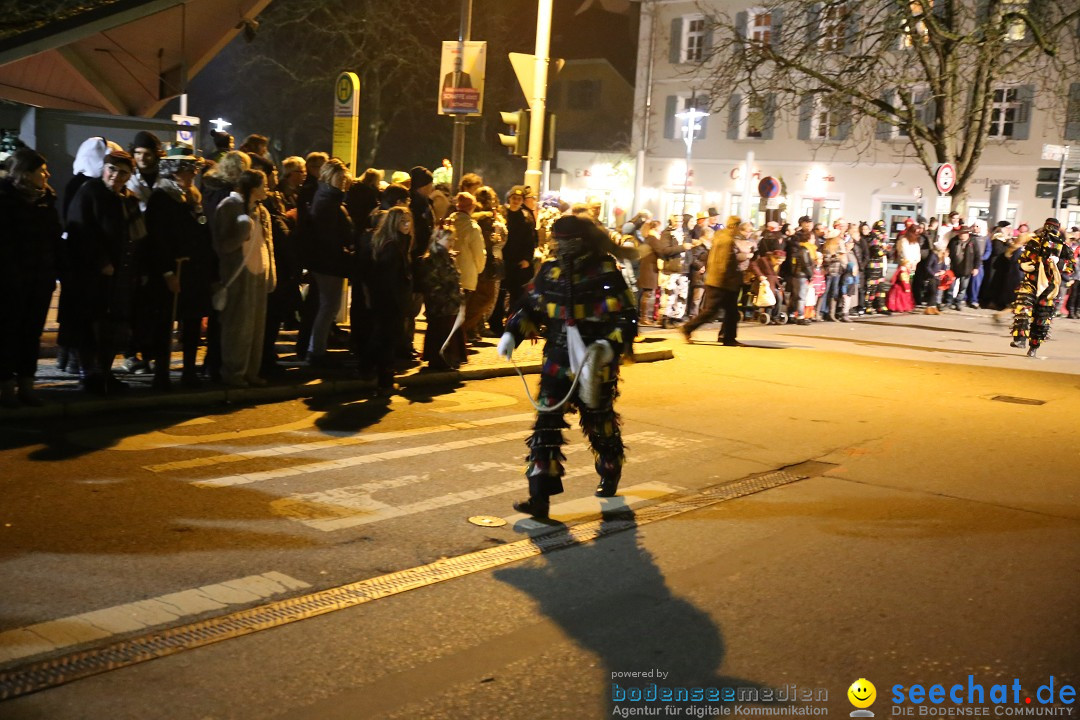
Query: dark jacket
point(520, 245)
point(962, 257)
point(174, 231)
point(360, 201)
point(330, 242)
point(437, 277)
point(29, 238)
point(423, 224)
point(389, 280)
point(103, 229)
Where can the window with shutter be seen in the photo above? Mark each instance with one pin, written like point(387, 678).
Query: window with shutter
point(695, 33)
point(914, 32)
point(1072, 113)
point(833, 33)
point(827, 117)
point(1005, 112)
point(753, 117)
point(759, 25)
point(1015, 28)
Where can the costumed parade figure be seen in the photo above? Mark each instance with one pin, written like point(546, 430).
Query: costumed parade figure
point(586, 313)
point(1039, 287)
point(875, 272)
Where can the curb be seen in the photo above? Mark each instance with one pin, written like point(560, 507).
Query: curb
point(276, 393)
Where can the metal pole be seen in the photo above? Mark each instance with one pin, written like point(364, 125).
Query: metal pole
point(688, 137)
point(1061, 183)
point(648, 20)
point(538, 102)
point(457, 150)
point(748, 187)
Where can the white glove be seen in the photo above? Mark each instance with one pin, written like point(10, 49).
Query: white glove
point(506, 345)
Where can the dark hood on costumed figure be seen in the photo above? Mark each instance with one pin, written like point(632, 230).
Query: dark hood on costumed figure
point(577, 237)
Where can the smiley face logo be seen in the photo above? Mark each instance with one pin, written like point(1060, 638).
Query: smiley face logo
point(862, 693)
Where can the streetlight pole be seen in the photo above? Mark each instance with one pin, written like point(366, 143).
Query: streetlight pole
point(457, 150)
point(538, 102)
point(691, 119)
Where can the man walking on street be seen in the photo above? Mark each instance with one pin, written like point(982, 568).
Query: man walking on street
point(723, 280)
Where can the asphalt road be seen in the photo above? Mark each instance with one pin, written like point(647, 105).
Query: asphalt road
point(925, 528)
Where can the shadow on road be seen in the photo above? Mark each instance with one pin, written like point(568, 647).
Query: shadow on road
point(611, 598)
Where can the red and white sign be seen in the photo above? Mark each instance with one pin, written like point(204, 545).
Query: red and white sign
point(945, 178)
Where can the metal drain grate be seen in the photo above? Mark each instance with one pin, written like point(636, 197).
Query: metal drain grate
point(1018, 400)
point(52, 672)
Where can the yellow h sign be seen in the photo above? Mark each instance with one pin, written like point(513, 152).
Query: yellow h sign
point(346, 118)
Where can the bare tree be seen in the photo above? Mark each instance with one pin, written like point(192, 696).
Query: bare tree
point(303, 44)
point(943, 75)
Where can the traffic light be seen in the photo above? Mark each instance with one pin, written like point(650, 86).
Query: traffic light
point(549, 137)
point(518, 142)
point(1046, 185)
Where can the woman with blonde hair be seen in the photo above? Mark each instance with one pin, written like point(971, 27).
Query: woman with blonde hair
point(389, 283)
point(330, 255)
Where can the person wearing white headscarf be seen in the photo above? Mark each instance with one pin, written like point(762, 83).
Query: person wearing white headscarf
point(89, 161)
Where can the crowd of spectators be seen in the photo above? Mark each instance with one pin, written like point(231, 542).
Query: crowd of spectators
point(229, 250)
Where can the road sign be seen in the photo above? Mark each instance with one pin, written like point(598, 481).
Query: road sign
point(1054, 152)
point(945, 178)
point(346, 118)
point(943, 205)
point(187, 136)
point(524, 66)
point(769, 187)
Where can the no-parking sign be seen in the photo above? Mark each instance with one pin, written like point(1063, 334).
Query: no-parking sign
point(191, 124)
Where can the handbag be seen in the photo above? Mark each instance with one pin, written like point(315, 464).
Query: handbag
point(765, 296)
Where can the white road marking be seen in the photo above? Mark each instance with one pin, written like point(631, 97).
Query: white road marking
point(336, 464)
point(567, 512)
point(77, 629)
point(336, 442)
point(347, 507)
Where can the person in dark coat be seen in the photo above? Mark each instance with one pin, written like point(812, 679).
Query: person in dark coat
point(518, 255)
point(331, 246)
point(180, 263)
point(29, 242)
point(89, 160)
point(283, 302)
point(1000, 238)
point(389, 284)
point(963, 261)
point(363, 197)
point(105, 231)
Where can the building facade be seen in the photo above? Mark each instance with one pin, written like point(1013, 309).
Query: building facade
point(807, 147)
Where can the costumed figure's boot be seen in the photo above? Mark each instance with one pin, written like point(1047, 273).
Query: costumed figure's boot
point(538, 507)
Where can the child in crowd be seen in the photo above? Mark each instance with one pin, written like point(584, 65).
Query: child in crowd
point(438, 279)
point(900, 299)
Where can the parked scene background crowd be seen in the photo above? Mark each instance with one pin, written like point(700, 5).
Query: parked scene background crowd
point(229, 250)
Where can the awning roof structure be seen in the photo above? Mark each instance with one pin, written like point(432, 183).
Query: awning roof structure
point(121, 57)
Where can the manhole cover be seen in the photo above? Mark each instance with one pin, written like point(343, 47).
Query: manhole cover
point(1018, 400)
point(487, 521)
